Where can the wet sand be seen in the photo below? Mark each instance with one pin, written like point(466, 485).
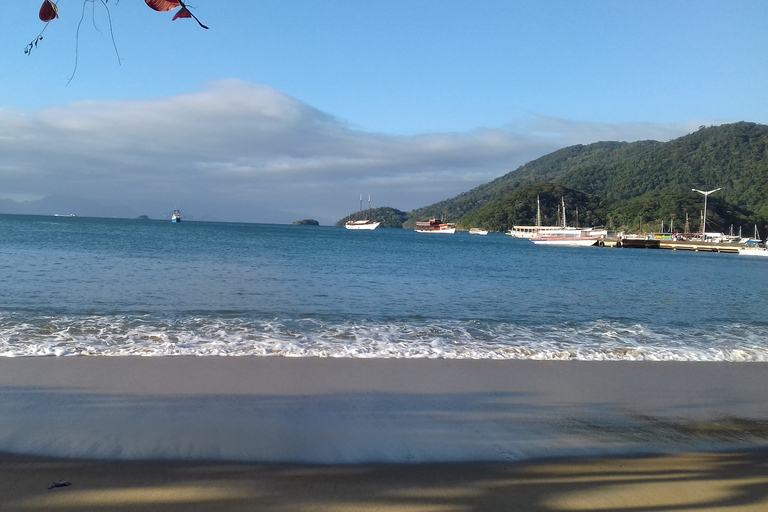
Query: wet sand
point(683, 482)
point(256, 433)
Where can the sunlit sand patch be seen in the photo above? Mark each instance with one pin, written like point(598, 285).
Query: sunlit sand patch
point(451, 493)
point(154, 495)
point(384, 507)
point(587, 479)
point(682, 496)
point(670, 464)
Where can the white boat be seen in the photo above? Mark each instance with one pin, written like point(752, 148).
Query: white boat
point(753, 246)
point(533, 231)
point(362, 223)
point(477, 231)
point(176, 217)
point(753, 251)
point(435, 226)
point(574, 237)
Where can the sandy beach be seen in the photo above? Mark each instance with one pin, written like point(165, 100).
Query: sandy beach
point(681, 482)
point(196, 433)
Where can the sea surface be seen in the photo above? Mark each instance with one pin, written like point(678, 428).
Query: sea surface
point(73, 286)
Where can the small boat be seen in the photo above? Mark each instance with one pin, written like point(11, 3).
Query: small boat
point(435, 226)
point(753, 246)
point(477, 231)
point(176, 217)
point(573, 237)
point(753, 251)
point(363, 223)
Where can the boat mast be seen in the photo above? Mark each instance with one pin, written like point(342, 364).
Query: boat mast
point(562, 199)
point(538, 213)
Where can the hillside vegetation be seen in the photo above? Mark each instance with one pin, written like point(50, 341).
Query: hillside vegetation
point(623, 185)
point(630, 185)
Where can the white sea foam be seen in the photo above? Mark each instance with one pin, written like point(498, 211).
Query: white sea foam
point(600, 340)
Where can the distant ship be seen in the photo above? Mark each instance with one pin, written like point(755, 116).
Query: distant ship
point(176, 217)
point(364, 223)
point(435, 226)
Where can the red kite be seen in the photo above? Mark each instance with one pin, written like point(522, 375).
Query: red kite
point(162, 5)
point(48, 11)
point(167, 5)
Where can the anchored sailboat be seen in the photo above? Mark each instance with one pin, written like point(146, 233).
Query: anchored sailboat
point(533, 231)
point(754, 246)
point(364, 223)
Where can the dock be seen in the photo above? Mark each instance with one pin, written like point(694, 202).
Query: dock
point(673, 245)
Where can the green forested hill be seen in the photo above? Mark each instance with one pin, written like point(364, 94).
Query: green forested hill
point(633, 185)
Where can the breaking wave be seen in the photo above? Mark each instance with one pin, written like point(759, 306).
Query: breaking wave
point(231, 335)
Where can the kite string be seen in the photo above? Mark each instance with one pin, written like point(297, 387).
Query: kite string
point(77, 35)
point(77, 43)
point(111, 32)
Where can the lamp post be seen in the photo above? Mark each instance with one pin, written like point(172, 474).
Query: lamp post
point(704, 218)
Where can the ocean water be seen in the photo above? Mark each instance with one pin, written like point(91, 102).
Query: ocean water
point(115, 287)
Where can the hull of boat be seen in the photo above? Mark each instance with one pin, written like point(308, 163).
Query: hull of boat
point(447, 231)
point(573, 242)
point(754, 252)
point(370, 225)
point(478, 232)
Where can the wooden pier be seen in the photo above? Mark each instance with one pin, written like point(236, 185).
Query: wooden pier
point(673, 245)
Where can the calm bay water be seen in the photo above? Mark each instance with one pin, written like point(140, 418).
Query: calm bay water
point(81, 286)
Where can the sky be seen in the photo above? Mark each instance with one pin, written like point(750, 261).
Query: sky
point(290, 109)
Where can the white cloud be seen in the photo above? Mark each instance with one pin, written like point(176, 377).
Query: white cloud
point(244, 152)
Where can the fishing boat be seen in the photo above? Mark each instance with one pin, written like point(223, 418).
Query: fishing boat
point(362, 223)
point(176, 217)
point(477, 231)
point(435, 226)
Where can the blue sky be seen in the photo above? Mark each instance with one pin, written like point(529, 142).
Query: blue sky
point(289, 109)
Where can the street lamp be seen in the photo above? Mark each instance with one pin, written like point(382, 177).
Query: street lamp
point(704, 219)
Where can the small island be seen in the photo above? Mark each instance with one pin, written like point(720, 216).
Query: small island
point(306, 222)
